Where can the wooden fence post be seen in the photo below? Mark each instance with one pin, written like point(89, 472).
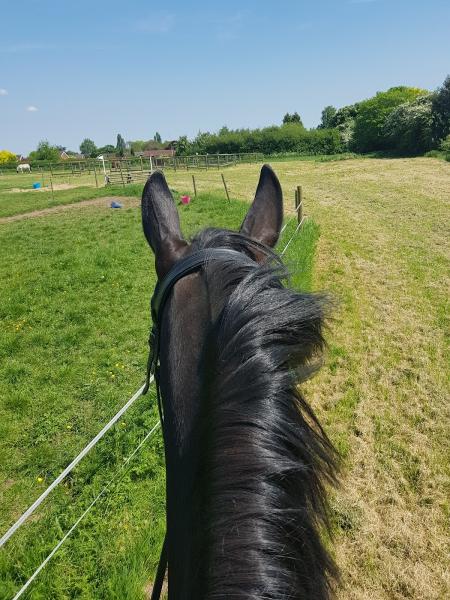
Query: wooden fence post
point(225, 186)
point(299, 203)
point(121, 173)
point(95, 175)
point(195, 188)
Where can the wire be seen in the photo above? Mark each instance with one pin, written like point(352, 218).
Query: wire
point(81, 517)
point(21, 520)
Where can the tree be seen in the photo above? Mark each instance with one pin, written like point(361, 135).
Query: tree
point(45, 151)
point(157, 138)
point(441, 110)
point(120, 145)
point(369, 133)
point(182, 145)
point(328, 114)
point(7, 157)
point(294, 118)
point(108, 149)
point(409, 127)
point(88, 148)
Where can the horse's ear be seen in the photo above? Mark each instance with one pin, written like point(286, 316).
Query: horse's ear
point(161, 223)
point(265, 216)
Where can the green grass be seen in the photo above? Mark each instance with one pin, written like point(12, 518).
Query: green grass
point(74, 319)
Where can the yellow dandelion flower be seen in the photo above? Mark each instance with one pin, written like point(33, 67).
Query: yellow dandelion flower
point(40, 479)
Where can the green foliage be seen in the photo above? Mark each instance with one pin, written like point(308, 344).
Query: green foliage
point(409, 127)
point(327, 119)
point(441, 110)
point(294, 118)
point(291, 137)
point(445, 144)
point(369, 133)
point(7, 157)
point(120, 145)
point(45, 151)
point(157, 138)
point(88, 148)
point(108, 149)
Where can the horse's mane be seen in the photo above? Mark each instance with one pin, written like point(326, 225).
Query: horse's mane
point(265, 458)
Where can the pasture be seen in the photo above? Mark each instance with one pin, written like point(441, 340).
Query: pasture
point(74, 318)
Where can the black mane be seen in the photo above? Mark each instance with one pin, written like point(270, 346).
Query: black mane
point(265, 458)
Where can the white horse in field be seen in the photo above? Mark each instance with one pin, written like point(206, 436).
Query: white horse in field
point(23, 168)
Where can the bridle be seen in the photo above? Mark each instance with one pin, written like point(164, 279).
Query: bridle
point(180, 269)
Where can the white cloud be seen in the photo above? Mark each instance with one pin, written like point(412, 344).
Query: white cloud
point(31, 108)
point(3, 92)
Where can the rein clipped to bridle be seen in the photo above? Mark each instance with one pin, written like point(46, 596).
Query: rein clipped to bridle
point(181, 268)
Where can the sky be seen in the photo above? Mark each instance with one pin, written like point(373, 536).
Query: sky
point(95, 68)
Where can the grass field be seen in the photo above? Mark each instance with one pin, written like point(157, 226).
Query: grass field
point(74, 319)
point(74, 316)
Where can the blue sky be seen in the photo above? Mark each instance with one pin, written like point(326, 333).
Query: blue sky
point(70, 70)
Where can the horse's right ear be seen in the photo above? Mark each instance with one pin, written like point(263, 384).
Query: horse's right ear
point(161, 223)
point(265, 217)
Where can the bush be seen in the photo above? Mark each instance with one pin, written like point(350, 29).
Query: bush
point(445, 145)
point(291, 137)
point(372, 114)
point(7, 158)
point(409, 127)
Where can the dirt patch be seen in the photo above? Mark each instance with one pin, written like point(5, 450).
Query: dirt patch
point(96, 202)
point(47, 188)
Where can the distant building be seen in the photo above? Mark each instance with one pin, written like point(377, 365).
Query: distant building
point(71, 155)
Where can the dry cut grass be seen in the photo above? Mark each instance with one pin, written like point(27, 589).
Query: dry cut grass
point(383, 393)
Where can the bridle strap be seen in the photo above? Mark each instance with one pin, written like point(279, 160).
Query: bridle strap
point(184, 266)
point(180, 269)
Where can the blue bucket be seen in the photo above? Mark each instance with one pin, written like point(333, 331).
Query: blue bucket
point(36, 185)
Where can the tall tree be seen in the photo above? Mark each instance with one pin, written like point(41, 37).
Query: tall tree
point(120, 145)
point(45, 151)
point(328, 114)
point(294, 118)
point(88, 148)
point(157, 138)
point(441, 110)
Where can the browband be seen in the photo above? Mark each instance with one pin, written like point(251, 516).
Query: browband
point(182, 267)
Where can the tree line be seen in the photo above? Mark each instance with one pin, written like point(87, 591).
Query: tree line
point(403, 120)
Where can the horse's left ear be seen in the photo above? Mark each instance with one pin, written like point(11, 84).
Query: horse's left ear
point(265, 217)
point(161, 223)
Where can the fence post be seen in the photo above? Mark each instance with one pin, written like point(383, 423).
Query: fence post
point(195, 187)
point(95, 175)
point(299, 203)
point(51, 186)
point(225, 186)
point(121, 172)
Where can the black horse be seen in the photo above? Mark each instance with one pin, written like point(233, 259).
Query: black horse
point(247, 462)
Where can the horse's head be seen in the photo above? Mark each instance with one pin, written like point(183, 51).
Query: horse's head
point(188, 314)
point(245, 456)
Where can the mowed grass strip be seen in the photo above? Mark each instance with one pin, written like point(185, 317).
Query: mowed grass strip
point(74, 318)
